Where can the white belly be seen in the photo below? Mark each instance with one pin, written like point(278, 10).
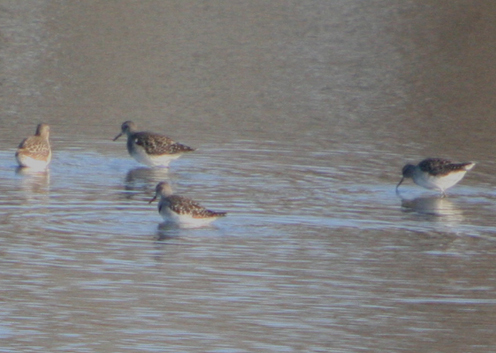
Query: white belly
point(153, 160)
point(29, 162)
point(439, 182)
point(185, 221)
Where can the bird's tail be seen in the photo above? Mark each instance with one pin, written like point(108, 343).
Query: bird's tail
point(467, 166)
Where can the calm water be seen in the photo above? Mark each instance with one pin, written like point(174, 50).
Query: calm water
point(303, 113)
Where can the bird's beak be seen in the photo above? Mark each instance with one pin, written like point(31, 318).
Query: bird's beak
point(115, 138)
point(397, 186)
point(154, 198)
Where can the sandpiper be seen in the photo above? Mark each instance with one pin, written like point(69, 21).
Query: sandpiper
point(34, 152)
point(181, 210)
point(150, 148)
point(436, 173)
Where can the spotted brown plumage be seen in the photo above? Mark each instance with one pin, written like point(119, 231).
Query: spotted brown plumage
point(155, 144)
point(184, 206)
point(436, 173)
point(182, 210)
point(150, 148)
point(35, 151)
point(439, 166)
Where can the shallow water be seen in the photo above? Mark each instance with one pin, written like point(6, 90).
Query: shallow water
point(303, 114)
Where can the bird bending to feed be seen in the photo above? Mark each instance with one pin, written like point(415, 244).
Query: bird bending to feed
point(181, 210)
point(34, 152)
point(149, 148)
point(436, 173)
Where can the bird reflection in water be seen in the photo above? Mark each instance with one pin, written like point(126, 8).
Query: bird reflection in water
point(167, 231)
point(33, 182)
point(435, 207)
point(144, 179)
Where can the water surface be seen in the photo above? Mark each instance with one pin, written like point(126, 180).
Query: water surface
point(303, 113)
